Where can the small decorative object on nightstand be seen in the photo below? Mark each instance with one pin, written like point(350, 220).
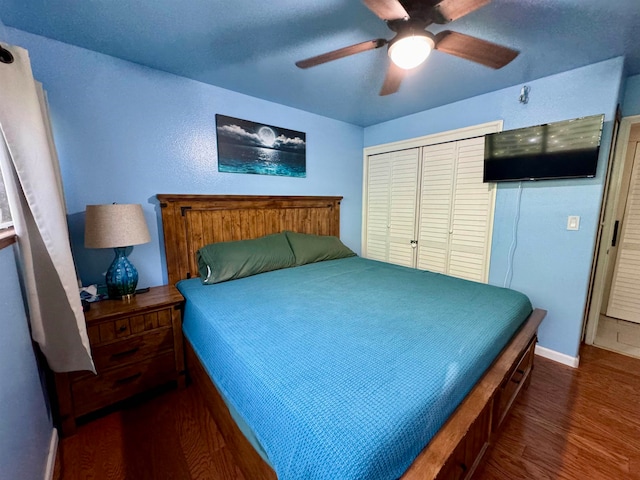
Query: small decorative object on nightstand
point(117, 226)
point(136, 346)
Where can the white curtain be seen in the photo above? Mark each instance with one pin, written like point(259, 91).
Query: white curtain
point(31, 172)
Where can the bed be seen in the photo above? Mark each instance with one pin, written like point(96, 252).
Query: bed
point(441, 447)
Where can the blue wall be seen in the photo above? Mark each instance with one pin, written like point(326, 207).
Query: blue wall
point(631, 105)
point(551, 265)
point(25, 424)
point(125, 133)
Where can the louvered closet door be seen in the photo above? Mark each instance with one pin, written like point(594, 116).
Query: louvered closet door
point(403, 206)
point(391, 206)
point(438, 170)
point(472, 214)
point(456, 211)
point(624, 300)
point(378, 194)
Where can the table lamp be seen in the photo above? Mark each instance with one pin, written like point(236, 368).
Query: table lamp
point(117, 226)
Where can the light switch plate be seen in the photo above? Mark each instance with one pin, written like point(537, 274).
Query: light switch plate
point(573, 222)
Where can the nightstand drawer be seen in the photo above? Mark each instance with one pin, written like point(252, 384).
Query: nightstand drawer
point(133, 349)
point(92, 393)
point(106, 332)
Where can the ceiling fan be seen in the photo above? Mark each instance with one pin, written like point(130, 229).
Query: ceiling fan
point(412, 44)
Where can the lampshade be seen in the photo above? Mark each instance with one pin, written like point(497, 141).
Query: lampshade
point(115, 225)
point(410, 51)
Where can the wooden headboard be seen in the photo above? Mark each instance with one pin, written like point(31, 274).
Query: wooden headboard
point(192, 221)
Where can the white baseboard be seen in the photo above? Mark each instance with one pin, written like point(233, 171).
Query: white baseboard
point(51, 458)
point(557, 356)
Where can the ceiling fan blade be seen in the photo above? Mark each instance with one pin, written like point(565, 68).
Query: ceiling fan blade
point(341, 52)
point(387, 9)
point(392, 80)
point(474, 49)
point(449, 10)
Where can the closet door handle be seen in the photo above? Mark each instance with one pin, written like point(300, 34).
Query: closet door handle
point(614, 240)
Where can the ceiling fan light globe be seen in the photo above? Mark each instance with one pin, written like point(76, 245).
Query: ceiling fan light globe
point(410, 51)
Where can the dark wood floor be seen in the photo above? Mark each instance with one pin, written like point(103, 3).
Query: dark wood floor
point(570, 424)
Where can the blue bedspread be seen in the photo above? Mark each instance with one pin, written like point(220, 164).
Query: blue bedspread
point(345, 369)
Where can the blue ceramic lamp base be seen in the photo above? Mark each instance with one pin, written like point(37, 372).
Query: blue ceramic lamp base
point(122, 276)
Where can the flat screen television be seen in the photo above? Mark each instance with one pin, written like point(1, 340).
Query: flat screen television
point(567, 149)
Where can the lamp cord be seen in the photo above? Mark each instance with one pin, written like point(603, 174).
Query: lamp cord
point(514, 242)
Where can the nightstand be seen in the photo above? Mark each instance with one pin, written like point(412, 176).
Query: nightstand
point(136, 346)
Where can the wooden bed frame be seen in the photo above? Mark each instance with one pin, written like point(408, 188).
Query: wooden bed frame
point(192, 221)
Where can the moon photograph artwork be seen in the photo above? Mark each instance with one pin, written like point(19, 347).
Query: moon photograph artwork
point(249, 147)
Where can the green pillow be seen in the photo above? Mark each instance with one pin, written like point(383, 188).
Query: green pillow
point(219, 262)
point(316, 248)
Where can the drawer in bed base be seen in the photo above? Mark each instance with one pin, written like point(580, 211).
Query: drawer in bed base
point(469, 452)
point(467, 455)
point(517, 379)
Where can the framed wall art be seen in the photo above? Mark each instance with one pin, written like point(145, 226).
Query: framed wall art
point(250, 147)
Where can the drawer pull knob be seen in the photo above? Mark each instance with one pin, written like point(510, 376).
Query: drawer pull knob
point(516, 381)
point(126, 353)
point(122, 381)
point(123, 328)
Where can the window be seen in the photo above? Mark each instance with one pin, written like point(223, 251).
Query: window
point(5, 214)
